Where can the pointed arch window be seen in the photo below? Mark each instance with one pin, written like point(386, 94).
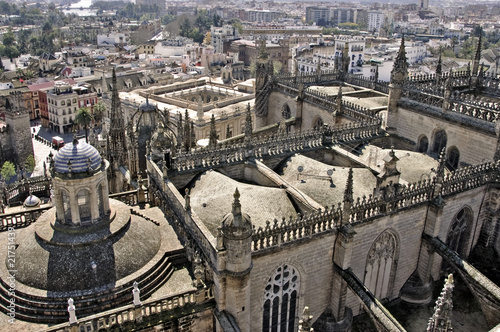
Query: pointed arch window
point(380, 265)
point(280, 300)
point(286, 113)
point(318, 124)
point(440, 140)
point(457, 234)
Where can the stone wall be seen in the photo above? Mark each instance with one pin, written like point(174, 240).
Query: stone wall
point(475, 145)
point(16, 142)
point(313, 261)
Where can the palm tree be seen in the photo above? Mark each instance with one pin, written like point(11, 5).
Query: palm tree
point(84, 118)
point(99, 112)
point(20, 72)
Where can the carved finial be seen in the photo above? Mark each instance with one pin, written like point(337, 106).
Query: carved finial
point(441, 319)
point(439, 66)
point(305, 323)
point(263, 49)
point(136, 294)
point(348, 193)
point(212, 140)
point(71, 311)
point(248, 124)
point(188, 200)
point(477, 56)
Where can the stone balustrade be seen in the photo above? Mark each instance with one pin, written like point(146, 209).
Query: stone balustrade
point(150, 312)
point(275, 145)
point(278, 233)
point(364, 209)
point(20, 219)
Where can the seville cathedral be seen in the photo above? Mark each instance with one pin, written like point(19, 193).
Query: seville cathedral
point(314, 201)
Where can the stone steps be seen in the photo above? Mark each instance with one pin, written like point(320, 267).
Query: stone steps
point(53, 309)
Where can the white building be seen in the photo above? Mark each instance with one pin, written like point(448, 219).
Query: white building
point(221, 35)
point(375, 20)
point(356, 56)
point(111, 39)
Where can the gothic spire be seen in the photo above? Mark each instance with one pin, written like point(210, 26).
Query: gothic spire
point(441, 319)
point(236, 210)
point(116, 116)
point(248, 124)
point(400, 69)
point(348, 193)
point(212, 140)
point(338, 104)
point(262, 50)
point(439, 67)
point(477, 56)
point(117, 140)
point(348, 199)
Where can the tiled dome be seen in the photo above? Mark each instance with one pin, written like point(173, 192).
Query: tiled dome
point(78, 155)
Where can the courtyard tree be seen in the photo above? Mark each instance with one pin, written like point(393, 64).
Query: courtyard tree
point(8, 170)
point(84, 118)
point(99, 112)
point(30, 164)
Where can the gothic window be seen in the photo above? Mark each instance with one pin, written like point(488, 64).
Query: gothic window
point(318, 124)
point(440, 141)
point(453, 158)
point(83, 200)
point(66, 207)
point(380, 265)
point(457, 235)
point(280, 300)
point(423, 144)
point(286, 113)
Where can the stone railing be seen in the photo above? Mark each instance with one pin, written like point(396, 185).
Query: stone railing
point(149, 313)
point(393, 199)
point(471, 177)
point(20, 219)
point(15, 192)
point(365, 208)
point(129, 197)
point(490, 84)
point(173, 201)
point(278, 233)
point(460, 79)
point(477, 112)
point(328, 102)
point(275, 145)
point(424, 97)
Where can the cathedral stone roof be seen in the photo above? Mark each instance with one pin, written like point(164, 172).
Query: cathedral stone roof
point(413, 166)
point(326, 183)
point(77, 157)
point(212, 198)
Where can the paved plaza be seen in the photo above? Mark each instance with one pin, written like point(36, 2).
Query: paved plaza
point(43, 149)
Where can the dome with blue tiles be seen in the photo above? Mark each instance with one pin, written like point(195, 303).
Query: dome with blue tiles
point(77, 157)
